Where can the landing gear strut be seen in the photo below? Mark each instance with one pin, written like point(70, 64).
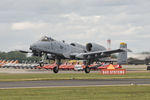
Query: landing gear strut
point(43, 60)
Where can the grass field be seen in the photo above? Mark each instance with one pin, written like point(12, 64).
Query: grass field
point(46, 76)
point(78, 93)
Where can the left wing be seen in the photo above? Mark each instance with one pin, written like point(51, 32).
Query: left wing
point(24, 51)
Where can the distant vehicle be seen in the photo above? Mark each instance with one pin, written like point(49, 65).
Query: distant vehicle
point(79, 66)
point(147, 60)
point(134, 61)
point(49, 48)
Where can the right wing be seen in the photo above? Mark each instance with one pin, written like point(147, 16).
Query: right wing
point(99, 53)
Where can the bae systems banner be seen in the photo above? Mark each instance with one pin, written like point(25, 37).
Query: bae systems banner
point(113, 72)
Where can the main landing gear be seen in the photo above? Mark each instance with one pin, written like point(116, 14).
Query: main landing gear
point(43, 61)
point(87, 69)
point(56, 68)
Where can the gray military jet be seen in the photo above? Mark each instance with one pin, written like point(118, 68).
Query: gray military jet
point(49, 48)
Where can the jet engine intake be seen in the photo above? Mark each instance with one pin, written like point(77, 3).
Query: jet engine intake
point(90, 47)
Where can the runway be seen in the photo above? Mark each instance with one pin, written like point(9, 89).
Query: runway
point(73, 83)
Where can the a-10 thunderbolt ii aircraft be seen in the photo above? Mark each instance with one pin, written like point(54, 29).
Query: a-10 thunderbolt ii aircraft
point(49, 48)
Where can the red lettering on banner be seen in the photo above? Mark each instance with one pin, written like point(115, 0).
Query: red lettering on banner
point(113, 71)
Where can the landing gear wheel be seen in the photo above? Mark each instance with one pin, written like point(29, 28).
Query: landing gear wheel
point(87, 70)
point(55, 69)
point(41, 64)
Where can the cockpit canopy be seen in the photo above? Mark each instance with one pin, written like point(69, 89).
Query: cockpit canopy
point(45, 38)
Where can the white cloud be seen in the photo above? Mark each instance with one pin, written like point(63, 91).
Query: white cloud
point(74, 17)
point(27, 25)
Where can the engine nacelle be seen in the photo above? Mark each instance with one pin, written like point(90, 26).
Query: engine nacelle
point(94, 47)
point(78, 45)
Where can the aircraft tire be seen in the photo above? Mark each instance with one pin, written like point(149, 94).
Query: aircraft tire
point(55, 69)
point(87, 70)
point(41, 64)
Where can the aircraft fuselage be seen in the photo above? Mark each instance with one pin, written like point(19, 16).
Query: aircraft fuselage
point(56, 47)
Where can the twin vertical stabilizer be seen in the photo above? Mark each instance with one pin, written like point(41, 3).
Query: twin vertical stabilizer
point(122, 56)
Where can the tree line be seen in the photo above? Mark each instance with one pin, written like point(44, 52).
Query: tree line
point(16, 55)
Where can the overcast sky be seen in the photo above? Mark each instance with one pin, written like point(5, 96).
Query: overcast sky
point(23, 22)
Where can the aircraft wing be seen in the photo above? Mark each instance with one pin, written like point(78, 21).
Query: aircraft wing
point(23, 51)
point(99, 53)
